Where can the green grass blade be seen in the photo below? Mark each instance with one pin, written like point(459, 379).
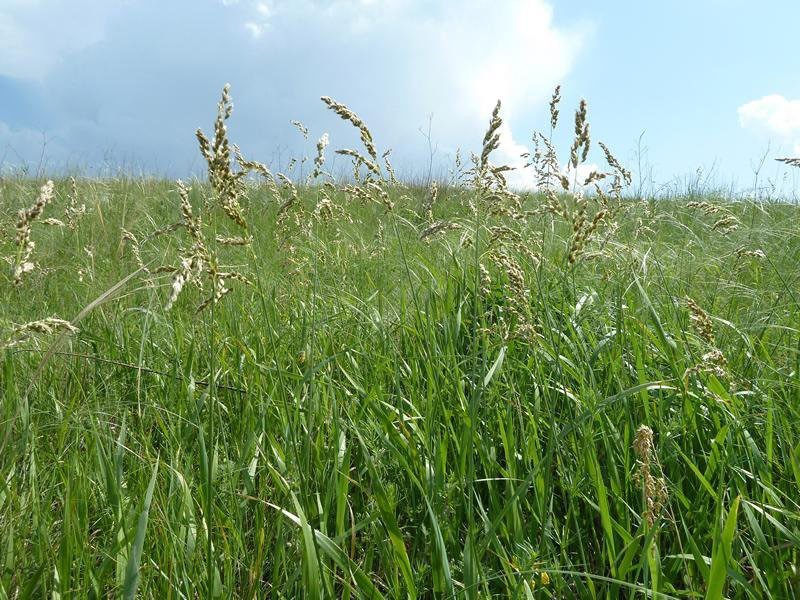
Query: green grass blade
point(722, 555)
point(131, 582)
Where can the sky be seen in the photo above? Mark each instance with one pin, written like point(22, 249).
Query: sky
point(684, 92)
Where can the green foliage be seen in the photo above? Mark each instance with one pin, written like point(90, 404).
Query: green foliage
point(361, 422)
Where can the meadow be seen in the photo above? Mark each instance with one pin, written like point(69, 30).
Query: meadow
point(261, 385)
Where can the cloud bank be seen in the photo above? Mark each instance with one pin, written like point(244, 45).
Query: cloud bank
point(128, 81)
point(774, 116)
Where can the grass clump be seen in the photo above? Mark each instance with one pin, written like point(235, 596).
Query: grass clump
point(461, 390)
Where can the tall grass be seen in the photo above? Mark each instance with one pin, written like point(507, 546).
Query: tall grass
point(551, 395)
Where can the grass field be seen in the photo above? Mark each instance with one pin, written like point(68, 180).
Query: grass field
point(396, 392)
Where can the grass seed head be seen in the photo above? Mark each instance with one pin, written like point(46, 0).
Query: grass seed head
point(430, 200)
point(554, 100)
point(48, 326)
point(491, 139)
point(25, 245)
point(792, 162)
point(348, 115)
point(580, 143)
point(319, 159)
point(744, 252)
point(726, 225)
point(436, 228)
point(612, 161)
point(701, 322)
point(654, 488)
point(73, 211)
point(301, 128)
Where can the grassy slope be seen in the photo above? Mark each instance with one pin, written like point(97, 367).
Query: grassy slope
point(368, 426)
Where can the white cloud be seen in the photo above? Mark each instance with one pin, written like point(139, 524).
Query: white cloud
point(140, 76)
point(255, 29)
point(774, 116)
point(452, 60)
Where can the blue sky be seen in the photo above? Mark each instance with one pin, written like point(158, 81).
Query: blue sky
point(101, 84)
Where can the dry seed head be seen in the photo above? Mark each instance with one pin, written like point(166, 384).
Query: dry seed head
point(516, 275)
point(348, 115)
point(251, 165)
point(516, 293)
point(225, 105)
point(180, 279)
point(713, 362)
point(192, 224)
point(327, 208)
point(319, 159)
point(228, 185)
point(502, 233)
point(219, 292)
point(554, 205)
point(389, 167)
point(23, 268)
point(744, 252)
point(491, 139)
point(554, 107)
point(28, 216)
point(323, 211)
point(593, 177)
point(292, 200)
point(430, 200)
point(432, 230)
point(486, 280)
point(707, 207)
point(792, 162)
point(505, 237)
point(381, 194)
point(380, 239)
point(715, 357)
point(198, 260)
point(701, 322)
point(220, 289)
point(579, 216)
point(584, 231)
point(48, 326)
point(498, 174)
point(585, 140)
point(726, 225)
point(25, 245)
point(233, 209)
point(127, 236)
point(73, 213)
point(580, 118)
point(301, 128)
point(654, 488)
point(358, 160)
point(598, 217)
point(643, 443)
point(233, 241)
point(581, 139)
point(205, 145)
point(357, 193)
point(615, 164)
point(545, 163)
